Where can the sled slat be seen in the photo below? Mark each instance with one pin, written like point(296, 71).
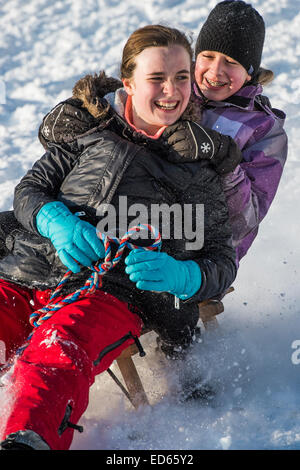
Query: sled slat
point(132, 380)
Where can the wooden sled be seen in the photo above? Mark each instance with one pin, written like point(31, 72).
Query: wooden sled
point(134, 390)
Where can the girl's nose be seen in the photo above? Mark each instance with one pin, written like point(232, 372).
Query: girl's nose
point(216, 67)
point(169, 87)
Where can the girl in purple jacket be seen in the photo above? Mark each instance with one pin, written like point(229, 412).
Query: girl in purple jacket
point(228, 90)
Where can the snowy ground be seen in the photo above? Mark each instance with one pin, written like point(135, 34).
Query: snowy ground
point(45, 47)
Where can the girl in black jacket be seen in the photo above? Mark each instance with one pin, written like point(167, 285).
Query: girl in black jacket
point(75, 187)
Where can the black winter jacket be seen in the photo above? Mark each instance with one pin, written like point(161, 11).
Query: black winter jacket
point(107, 165)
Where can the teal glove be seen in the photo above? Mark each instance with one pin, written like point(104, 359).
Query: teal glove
point(73, 239)
point(156, 271)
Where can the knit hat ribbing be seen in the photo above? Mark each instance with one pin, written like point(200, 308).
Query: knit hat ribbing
point(235, 29)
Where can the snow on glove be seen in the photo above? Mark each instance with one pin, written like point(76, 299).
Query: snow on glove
point(156, 271)
point(192, 142)
point(73, 239)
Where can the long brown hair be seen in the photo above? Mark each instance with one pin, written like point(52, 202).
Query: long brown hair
point(151, 36)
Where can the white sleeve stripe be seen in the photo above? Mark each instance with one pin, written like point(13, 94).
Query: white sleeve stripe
point(213, 147)
point(55, 122)
point(196, 143)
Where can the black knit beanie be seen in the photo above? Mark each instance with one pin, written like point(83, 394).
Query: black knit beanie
point(235, 29)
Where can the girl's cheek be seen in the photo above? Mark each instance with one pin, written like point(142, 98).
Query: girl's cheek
point(199, 74)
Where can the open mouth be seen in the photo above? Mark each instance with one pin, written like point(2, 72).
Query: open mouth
point(167, 105)
point(215, 84)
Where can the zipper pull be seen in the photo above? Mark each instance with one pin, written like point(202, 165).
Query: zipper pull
point(80, 214)
point(177, 303)
point(139, 345)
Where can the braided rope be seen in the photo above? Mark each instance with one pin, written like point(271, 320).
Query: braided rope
point(95, 280)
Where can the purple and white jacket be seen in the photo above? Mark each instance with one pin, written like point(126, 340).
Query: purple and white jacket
point(258, 130)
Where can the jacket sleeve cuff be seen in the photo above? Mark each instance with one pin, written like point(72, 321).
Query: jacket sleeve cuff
point(193, 279)
point(47, 213)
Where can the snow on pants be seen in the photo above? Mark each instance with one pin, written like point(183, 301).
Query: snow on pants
point(50, 381)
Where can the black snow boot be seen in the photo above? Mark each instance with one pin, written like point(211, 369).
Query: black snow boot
point(24, 440)
point(175, 351)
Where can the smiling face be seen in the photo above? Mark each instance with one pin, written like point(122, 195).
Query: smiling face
point(219, 76)
point(160, 87)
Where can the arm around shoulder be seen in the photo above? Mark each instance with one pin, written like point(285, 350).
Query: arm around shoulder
point(64, 123)
point(79, 114)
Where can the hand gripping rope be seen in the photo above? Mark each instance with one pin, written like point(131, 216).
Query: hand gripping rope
point(94, 282)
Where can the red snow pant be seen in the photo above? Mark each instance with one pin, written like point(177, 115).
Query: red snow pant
point(55, 371)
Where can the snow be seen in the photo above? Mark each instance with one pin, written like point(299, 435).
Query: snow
point(45, 47)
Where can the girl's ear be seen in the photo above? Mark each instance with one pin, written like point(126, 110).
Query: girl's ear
point(248, 78)
point(128, 85)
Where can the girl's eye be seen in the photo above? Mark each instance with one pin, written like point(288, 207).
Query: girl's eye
point(160, 79)
point(231, 62)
